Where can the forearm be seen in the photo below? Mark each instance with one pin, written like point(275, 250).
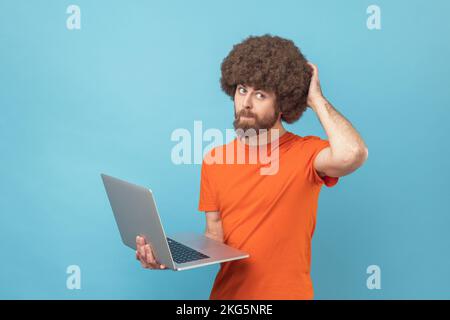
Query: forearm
point(345, 142)
point(214, 228)
point(216, 234)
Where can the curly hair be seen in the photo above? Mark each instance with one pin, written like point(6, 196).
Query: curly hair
point(273, 64)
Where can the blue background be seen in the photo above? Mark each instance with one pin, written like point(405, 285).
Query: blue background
point(106, 98)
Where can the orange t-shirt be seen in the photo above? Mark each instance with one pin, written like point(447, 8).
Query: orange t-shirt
point(271, 217)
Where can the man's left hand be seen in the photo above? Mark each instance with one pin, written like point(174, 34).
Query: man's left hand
point(315, 92)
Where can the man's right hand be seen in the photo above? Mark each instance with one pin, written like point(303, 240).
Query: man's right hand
point(145, 255)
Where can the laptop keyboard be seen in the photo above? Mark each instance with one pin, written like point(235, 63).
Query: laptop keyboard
point(182, 253)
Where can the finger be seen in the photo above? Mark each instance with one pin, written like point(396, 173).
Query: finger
point(138, 243)
point(140, 240)
point(312, 65)
point(147, 265)
point(142, 253)
point(149, 255)
point(152, 265)
point(139, 257)
point(315, 70)
point(142, 260)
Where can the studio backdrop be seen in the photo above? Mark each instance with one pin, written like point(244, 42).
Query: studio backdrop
point(91, 87)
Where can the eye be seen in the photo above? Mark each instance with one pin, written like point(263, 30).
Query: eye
point(242, 90)
point(261, 96)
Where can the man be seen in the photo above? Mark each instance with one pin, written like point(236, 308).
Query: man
point(272, 216)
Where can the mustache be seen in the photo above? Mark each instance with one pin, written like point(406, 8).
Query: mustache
point(245, 113)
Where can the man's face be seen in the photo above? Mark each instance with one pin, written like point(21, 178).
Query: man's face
point(254, 109)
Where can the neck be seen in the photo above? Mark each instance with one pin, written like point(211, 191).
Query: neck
point(273, 133)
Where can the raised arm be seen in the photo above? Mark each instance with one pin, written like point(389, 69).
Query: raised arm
point(347, 151)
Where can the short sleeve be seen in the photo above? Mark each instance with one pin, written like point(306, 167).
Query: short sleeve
point(208, 198)
point(314, 146)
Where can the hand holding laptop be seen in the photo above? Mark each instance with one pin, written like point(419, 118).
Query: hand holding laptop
point(145, 255)
point(137, 217)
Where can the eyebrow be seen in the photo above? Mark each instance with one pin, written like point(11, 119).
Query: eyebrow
point(256, 89)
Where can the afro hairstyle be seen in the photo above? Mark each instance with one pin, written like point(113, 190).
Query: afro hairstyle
point(273, 64)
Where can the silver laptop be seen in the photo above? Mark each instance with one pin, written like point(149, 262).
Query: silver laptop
point(136, 214)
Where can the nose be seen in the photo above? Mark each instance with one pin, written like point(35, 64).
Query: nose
point(247, 103)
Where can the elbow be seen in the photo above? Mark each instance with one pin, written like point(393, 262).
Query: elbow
point(364, 154)
point(353, 160)
point(356, 158)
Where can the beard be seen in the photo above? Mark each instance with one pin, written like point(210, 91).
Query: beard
point(253, 124)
